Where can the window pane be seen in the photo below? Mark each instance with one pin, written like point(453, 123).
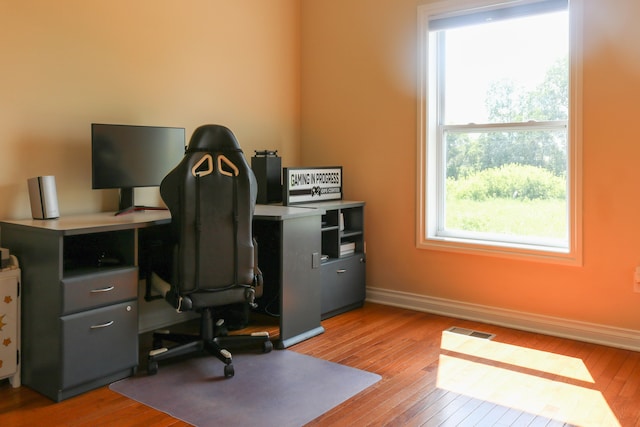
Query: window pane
point(502, 71)
point(510, 183)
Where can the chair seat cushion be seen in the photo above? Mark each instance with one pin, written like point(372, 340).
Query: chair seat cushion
point(204, 299)
point(200, 299)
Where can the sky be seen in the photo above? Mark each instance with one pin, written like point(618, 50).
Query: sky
point(521, 49)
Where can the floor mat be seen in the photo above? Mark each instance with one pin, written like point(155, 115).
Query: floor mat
point(280, 388)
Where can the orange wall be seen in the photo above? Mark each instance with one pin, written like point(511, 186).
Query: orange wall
point(325, 82)
point(359, 110)
point(68, 63)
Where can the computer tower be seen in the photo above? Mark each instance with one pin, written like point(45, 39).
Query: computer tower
point(267, 167)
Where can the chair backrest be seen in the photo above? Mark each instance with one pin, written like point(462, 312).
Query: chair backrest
point(211, 195)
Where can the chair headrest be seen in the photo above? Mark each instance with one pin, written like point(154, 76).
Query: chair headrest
point(213, 138)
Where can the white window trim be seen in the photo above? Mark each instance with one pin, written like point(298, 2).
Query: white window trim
point(426, 157)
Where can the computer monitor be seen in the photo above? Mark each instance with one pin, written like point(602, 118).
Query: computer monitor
point(125, 157)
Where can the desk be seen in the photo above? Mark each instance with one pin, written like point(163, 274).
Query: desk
point(80, 308)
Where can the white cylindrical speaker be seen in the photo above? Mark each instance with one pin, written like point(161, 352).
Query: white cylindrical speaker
point(43, 197)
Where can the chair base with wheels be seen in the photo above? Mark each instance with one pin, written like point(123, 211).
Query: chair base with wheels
point(213, 339)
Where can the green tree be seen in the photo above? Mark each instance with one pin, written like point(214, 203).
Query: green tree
point(548, 101)
point(507, 102)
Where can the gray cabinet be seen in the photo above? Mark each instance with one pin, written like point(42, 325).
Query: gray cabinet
point(289, 249)
point(343, 256)
point(343, 285)
point(79, 301)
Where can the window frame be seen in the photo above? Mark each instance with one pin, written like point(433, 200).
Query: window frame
point(430, 180)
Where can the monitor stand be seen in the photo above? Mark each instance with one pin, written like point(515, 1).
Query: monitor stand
point(127, 206)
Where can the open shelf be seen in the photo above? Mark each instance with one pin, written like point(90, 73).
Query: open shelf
point(343, 256)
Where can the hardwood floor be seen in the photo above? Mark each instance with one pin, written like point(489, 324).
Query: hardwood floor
point(429, 377)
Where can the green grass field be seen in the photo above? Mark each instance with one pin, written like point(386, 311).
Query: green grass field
point(542, 218)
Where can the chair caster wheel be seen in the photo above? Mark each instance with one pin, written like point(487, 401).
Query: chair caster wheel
point(267, 346)
point(228, 371)
point(152, 367)
point(158, 338)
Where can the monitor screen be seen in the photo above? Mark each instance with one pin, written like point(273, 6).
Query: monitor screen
point(125, 156)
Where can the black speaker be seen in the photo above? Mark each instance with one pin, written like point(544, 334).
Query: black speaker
point(267, 167)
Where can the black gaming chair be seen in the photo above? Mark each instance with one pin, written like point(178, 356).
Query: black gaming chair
point(211, 195)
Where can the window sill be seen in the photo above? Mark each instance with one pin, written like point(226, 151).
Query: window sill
point(521, 252)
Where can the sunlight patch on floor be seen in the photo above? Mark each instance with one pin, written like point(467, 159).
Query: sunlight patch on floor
point(542, 361)
point(473, 372)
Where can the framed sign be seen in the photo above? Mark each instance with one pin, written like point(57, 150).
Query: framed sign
point(304, 185)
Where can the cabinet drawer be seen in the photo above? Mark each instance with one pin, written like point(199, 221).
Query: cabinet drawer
point(99, 342)
point(343, 283)
point(98, 289)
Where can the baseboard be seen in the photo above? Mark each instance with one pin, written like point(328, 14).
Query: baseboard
point(581, 331)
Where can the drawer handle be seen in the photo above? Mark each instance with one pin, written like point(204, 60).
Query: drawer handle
point(107, 289)
point(102, 325)
point(342, 270)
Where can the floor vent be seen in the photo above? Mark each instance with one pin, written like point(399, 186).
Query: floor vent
point(469, 332)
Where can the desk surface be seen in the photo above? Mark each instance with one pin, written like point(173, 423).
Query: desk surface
point(107, 221)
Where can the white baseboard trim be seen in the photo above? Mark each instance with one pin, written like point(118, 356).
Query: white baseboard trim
point(581, 331)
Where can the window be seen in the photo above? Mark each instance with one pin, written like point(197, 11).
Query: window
point(498, 149)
